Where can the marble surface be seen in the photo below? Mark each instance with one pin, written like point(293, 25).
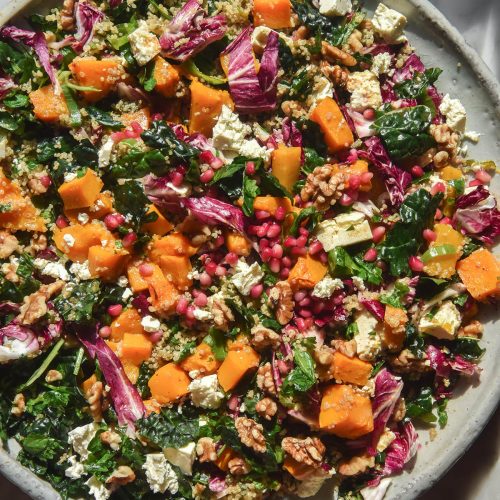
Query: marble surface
point(476, 475)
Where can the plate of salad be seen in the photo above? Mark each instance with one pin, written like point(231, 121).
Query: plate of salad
point(244, 249)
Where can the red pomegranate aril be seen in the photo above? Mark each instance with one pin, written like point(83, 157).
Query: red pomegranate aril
point(305, 302)
point(216, 163)
point(45, 180)
point(354, 181)
point(303, 232)
point(182, 305)
point(290, 241)
point(323, 257)
point(177, 179)
point(266, 254)
point(201, 300)
point(301, 241)
point(315, 247)
point(280, 214)
point(346, 200)
point(445, 220)
point(301, 324)
point(429, 235)
point(286, 261)
point(231, 258)
point(205, 279)
point(263, 243)
point(483, 176)
point(146, 270)
point(277, 251)
point(439, 214)
point(378, 233)
point(250, 168)
point(284, 273)
point(155, 337)
point(220, 271)
point(369, 114)
point(417, 171)
point(275, 265)
point(61, 222)
point(318, 307)
point(256, 291)
point(366, 177)
point(439, 187)
point(475, 182)
point(210, 267)
point(190, 312)
point(262, 214)
point(115, 310)
point(113, 221)
point(104, 332)
point(299, 251)
point(207, 176)
point(416, 265)
point(305, 313)
point(273, 231)
point(370, 255)
point(129, 239)
point(300, 295)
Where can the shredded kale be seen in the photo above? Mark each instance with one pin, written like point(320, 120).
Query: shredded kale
point(415, 88)
point(78, 303)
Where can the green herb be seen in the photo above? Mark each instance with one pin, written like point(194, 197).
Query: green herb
point(250, 191)
point(468, 348)
point(217, 341)
point(394, 299)
point(190, 67)
point(469, 247)
point(104, 118)
point(421, 406)
point(300, 379)
point(351, 331)
point(145, 373)
point(415, 88)
point(19, 64)
point(414, 341)
point(405, 131)
point(342, 265)
point(42, 447)
point(74, 111)
point(311, 160)
point(311, 214)
point(461, 299)
point(78, 303)
point(16, 99)
point(131, 202)
point(405, 238)
point(438, 251)
point(441, 411)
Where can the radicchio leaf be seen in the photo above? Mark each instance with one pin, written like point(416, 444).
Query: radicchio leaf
point(472, 198)
point(375, 307)
point(387, 392)
point(127, 402)
point(411, 66)
point(17, 341)
point(86, 17)
point(401, 450)
point(252, 92)
point(361, 125)
point(190, 31)
point(6, 84)
point(396, 179)
point(36, 41)
point(211, 211)
point(162, 192)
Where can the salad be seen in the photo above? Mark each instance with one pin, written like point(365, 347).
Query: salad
point(242, 249)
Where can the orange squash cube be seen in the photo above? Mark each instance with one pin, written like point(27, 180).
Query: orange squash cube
point(238, 244)
point(286, 165)
point(129, 321)
point(166, 77)
point(480, 273)
point(350, 370)
point(306, 273)
point(240, 359)
point(160, 226)
point(172, 244)
point(141, 116)
point(169, 383)
point(176, 268)
point(136, 348)
point(81, 192)
point(107, 263)
point(48, 107)
point(202, 360)
point(276, 14)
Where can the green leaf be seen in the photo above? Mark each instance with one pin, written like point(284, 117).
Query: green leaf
point(191, 68)
point(405, 131)
point(441, 411)
point(311, 160)
point(131, 202)
point(438, 251)
point(146, 77)
point(43, 447)
point(77, 303)
point(415, 87)
point(414, 341)
point(394, 298)
point(16, 100)
point(300, 379)
point(342, 265)
point(421, 406)
point(74, 111)
point(217, 341)
point(468, 348)
point(250, 192)
point(104, 118)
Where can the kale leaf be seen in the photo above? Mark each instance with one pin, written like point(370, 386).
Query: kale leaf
point(416, 87)
point(104, 118)
point(78, 304)
point(342, 265)
point(300, 379)
point(131, 202)
point(217, 341)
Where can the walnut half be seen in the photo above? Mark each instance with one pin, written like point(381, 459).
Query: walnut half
point(251, 434)
point(308, 451)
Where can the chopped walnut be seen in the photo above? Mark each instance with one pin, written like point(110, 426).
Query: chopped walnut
point(323, 355)
point(323, 187)
point(265, 380)
point(238, 466)
point(281, 296)
point(301, 33)
point(355, 41)
point(407, 362)
point(53, 376)
point(205, 449)
point(308, 451)
point(222, 314)
point(347, 348)
point(8, 244)
point(35, 305)
point(18, 405)
point(198, 490)
point(9, 271)
point(336, 74)
point(356, 465)
point(440, 159)
point(94, 399)
point(446, 138)
point(335, 55)
point(473, 329)
point(123, 475)
point(38, 242)
point(67, 20)
point(263, 337)
point(266, 408)
point(251, 434)
point(112, 439)
point(399, 410)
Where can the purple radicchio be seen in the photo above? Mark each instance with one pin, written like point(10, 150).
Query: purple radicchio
point(163, 193)
point(411, 66)
point(6, 84)
point(396, 180)
point(387, 392)
point(361, 125)
point(127, 402)
point(375, 307)
point(212, 211)
point(190, 31)
point(401, 450)
point(16, 342)
point(253, 92)
point(477, 214)
point(86, 17)
point(36, 41)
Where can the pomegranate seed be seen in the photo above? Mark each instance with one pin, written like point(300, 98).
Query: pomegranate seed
point(207, 176)
point(219, 241)
point(210, 267)
point(381, 265)
point(113, 221)
point(104, 332)
point(280, 214)
point(417, 171)
point(262, 214)
point(378, 233)
point(290, 241)
point(115, 310)
point(439, 187)
point(250, 168)
point(354, 181)
point(146, 270)
point(129, 239)
point(190, 312)
point(303, 231)
point(275, 265)
point(370, 255)
point(475, 182)
point(483, 176)
point(323, 257)
point(300, 295)
point(263, 243)
point(366, 177)
point(196, 292)
point(262, 231)
point(46, 181)
point(305, 313)
point(318, 307)
point(277, 251)
point(266, 254)
point(220, 271)
point(182, 305)
point(273, 231)
point(445, 220)
point(415, 264)
point(231, 258)
point(369, 114)
point(286, 261)
point(299, 251)
point(439, 214)
point(201, 300)
point(315, 247)
point(301, 324)
point(205, 279)
point(284, 273)
point(305, 302)
point(61, 222)
point(177, 179)
point(256, 291)
point(216, 163)
point(301, 241)
point(155, 337)
point(346, 200)
point(429, 235)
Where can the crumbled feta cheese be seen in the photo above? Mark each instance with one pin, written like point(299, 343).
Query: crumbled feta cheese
point(229, 132)
point(445, 322)
point(335, 7)
point(70, 176)
point(150, 324)
point(368, 343)
point(359, 283)
point(159, 474)
point(3, 147)
point(202, 314)
point(80, 437)
point(122, 281)
point(127, 293)
point(52, 269)
point(343, 230)
point(75, 469)
point(454, 111)
point(326, 287)
point(389, 24)
point(97, 489)
point(144, 44)
point(83, 218)
point(69, 240)
point(259, 38)
point(205, 392)
point(322, 88)
point(472, 136)
point(386, 438)
point(364, 87)
point(182, 457)
point(81, 270)
point(104, 153)
point(246, 276)
point(381, 63)
point(252, 149)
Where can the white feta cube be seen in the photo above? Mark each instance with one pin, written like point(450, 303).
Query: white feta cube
point(70, 176)
point(150, 324)
point(322, 88)
point(335, 7)
point(343, 230)
point(252, 149)
point(229, 132)
point(75, 469)
point(205, 392)
point(455, 113)
point(159, 474)
point(246, 276)
point(83, 218)
point(80, 270)
point(444, 323)
point(326, 287)
point(52, 269)
point(389, 24)
point(368, 343)
point(202, 314)
point(69, 240)
point(381, 63)
point(80, 437)
point(97, 489)
point(182, 457)
point(104, 153)
point(144, 44)
point(364, 87)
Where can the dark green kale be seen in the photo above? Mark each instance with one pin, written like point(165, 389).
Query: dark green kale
point(216, 339)
point(394, 298)
point(131, 202)
point(104, 118)
point(416, 87)
point(78, 303)
point(342, 265)
point(15, 292)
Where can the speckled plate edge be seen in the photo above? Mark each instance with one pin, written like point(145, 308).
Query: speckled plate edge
point(419, 483)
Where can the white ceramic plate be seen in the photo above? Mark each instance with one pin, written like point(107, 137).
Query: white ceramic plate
point(465, 76)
